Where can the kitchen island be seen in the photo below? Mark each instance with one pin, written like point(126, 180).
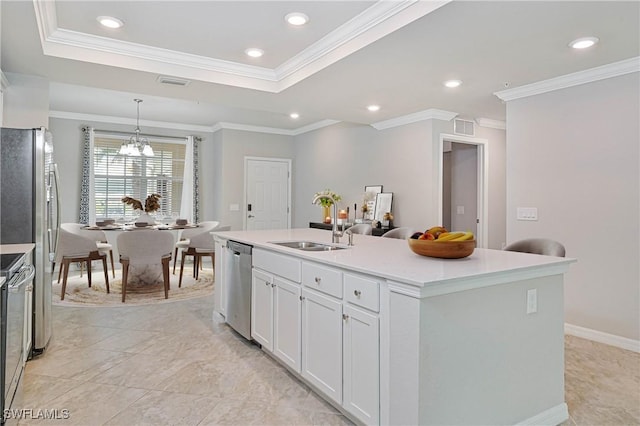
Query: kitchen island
point(390, 337)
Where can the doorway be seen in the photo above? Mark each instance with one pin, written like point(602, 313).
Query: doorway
point(462, 185)
point(267, 193)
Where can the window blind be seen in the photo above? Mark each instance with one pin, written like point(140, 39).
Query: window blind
point(116, 176)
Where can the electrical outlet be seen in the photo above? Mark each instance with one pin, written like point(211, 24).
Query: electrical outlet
point(532, 301)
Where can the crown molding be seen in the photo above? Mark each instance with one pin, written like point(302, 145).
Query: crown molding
point(614, 69)
point(428, 114)
point(65, 115)
point(382, 18)
point(492, 124)
point(127, 121)
point(375, 22)
point(315, 126)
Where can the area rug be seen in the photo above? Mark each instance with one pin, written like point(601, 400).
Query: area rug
point(78, 292)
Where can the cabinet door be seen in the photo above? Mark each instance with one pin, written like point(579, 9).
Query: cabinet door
point(220, 294)
point(262, 309)
point(322, 343)
point(361, 365)
point(286, 326)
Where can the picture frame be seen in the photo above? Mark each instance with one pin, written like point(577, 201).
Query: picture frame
point(371, 204)
point(384, 204)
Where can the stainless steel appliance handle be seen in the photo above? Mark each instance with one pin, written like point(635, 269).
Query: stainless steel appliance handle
point(58, 218)
point(27, 272)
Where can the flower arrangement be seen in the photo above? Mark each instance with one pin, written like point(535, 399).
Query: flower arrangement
point(151, 204)
point(325, 202)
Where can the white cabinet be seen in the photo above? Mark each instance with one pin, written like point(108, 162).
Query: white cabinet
point(322, 343)
point(262, 309)
point(287, 322)
point(361, 363)
point(276, 316)
point(220, 291)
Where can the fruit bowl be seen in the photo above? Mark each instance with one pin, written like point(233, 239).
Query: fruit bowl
point(442, 249)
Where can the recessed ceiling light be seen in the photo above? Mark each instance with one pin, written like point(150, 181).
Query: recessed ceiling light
point(254, 52)
point(110, 21)
point(297, 18)
point(373, 108)
point(294, 115)
point(452, 83)
point(584, 42)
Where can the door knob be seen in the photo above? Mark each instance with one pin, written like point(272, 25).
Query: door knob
point(251, 216)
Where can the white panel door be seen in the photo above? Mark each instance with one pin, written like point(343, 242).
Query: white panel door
point(267, 194)
point(322, 343)
point(287, 322)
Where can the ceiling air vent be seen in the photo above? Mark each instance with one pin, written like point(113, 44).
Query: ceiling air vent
point(464, 127)
point(172, 81)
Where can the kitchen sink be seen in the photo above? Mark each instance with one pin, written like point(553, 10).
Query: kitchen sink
point(308, 245)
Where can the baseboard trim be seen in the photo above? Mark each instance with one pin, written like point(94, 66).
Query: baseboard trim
point(553, 416)
point(601, 337)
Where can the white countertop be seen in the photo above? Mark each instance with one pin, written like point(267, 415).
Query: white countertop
point(392, 259)
point(16, 248)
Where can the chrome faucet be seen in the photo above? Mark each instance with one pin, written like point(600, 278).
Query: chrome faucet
point(335, 234)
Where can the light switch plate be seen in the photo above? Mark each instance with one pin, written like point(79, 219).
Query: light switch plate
point(460, 209)
point(527, 213)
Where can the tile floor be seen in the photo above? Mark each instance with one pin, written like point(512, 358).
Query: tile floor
point(170, 364)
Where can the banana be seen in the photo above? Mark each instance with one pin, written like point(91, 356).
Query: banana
point(465, 237)
point(449, 236)
point(437, 229)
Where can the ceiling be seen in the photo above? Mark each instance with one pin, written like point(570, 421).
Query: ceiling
point(350, 54)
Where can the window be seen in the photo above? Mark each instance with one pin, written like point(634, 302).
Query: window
point(116, 176)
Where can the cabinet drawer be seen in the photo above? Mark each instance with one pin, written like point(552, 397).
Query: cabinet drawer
point(362, 291)
point(278, 264)
point(322, 278)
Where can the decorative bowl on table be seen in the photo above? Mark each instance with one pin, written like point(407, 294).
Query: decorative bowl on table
point(181, 222)
point(100, 223)
point(442, 249)
point(141, 224)
point(109, 221)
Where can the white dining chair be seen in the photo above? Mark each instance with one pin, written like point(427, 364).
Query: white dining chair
point(200, 245)
point(402, 233)
point(543, 246)
point(185, 238)
point(145, 247)
point(361, 228)
point(76, 248)
point(96, 235)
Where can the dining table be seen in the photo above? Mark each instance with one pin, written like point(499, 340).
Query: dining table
point(151, 274)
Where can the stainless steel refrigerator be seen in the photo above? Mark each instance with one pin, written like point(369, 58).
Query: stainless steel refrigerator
point(29, 213)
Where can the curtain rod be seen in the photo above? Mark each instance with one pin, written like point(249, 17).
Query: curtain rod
point(117, 132)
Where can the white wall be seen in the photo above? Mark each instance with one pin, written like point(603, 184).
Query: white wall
point(574, 154)
point(231, 147)
point(346, 157)
point(25, 102)
point(68, 142)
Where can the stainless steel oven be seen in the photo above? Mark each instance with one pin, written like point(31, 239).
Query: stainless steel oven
point(18, 276)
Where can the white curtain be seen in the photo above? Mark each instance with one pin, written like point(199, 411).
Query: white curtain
point(186, 209)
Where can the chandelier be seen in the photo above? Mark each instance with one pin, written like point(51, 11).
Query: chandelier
point(136, 145)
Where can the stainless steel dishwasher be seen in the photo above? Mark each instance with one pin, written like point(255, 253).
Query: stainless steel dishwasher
point(238, 286)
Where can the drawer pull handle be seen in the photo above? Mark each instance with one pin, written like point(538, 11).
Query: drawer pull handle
point(318, 279)
point(357, 293)
point(345, 317)
point(273, 285)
